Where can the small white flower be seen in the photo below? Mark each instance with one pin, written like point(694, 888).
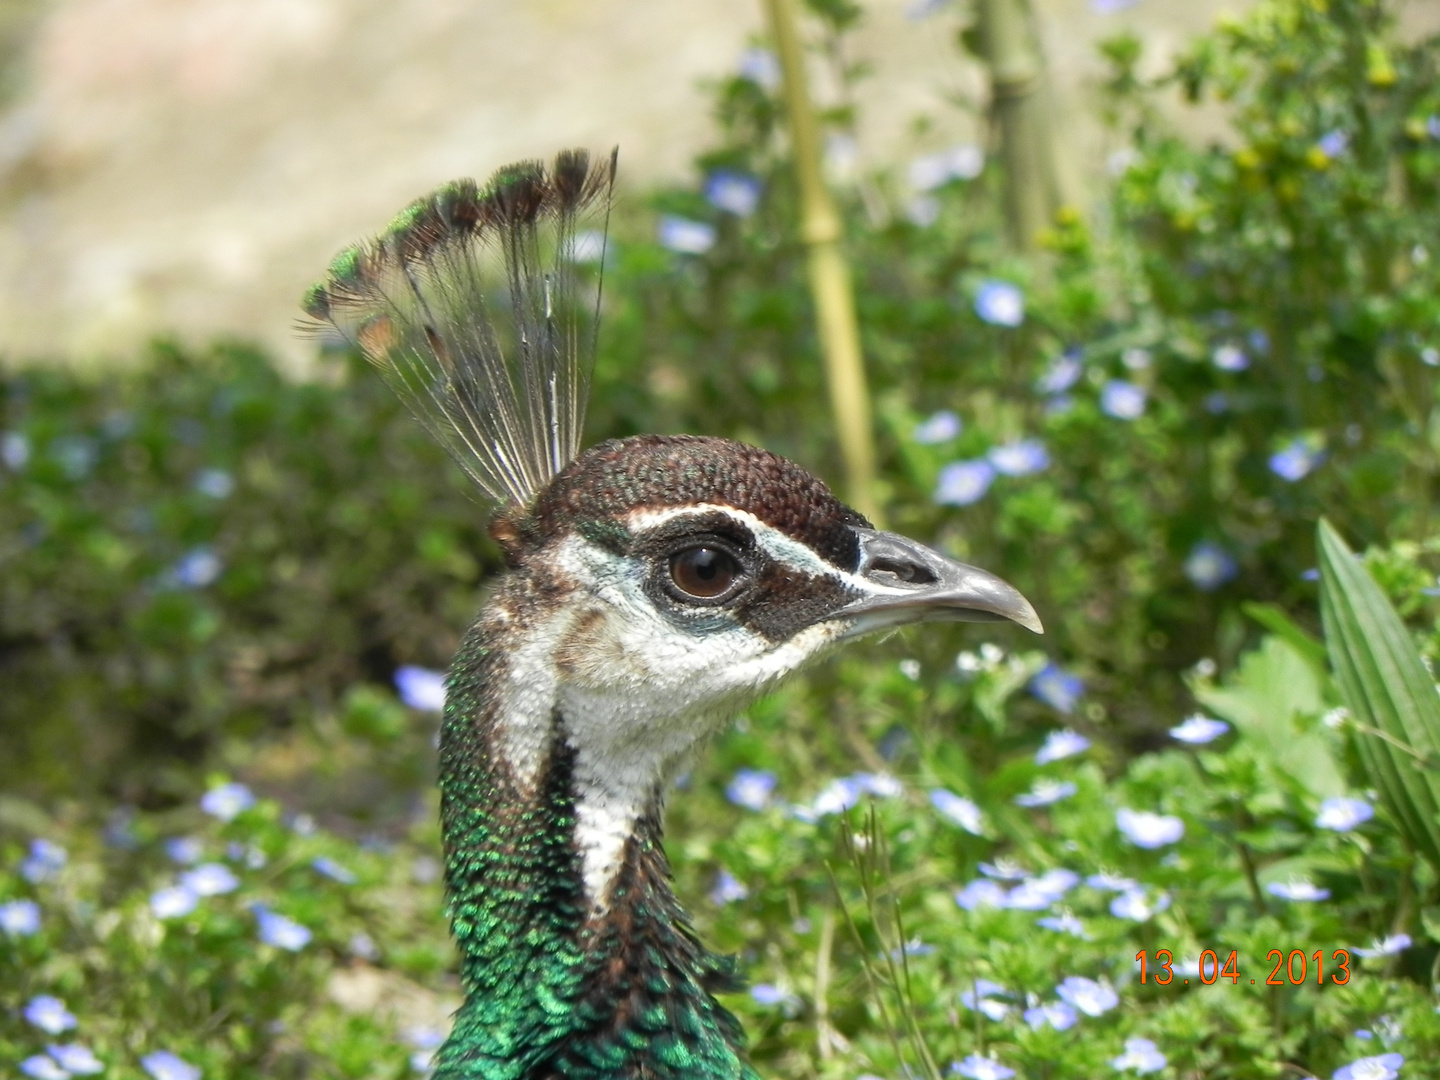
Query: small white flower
point(1088, 996)
point(76, 1059)
point(1000, 303)
point(1389, 946)
point(20, 918)
point(959, 810)
point(173, 902)
point(1141, 1055)
point(163, 1065)
point(210, 879)
point(420, 688)
point(1147, 830)
point(1199, 729)
point(684, 236)
point(1135, 905)
point(1061, 744)
point(228, 801)
point(49, 1014)
point(1342, 815)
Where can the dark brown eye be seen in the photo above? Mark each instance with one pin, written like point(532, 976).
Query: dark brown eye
point(703, 572)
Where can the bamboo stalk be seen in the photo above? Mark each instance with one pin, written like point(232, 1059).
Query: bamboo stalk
point(830, 284)
point(1022, 107)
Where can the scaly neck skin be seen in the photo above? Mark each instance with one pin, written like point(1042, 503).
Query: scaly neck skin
point(559, 982)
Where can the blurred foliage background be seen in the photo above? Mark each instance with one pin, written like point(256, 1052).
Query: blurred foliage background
point(1136, 413)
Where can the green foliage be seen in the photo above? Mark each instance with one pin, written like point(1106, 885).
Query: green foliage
point(1388, 691)
point(206, 566)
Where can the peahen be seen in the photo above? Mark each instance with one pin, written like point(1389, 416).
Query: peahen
point(654, 586)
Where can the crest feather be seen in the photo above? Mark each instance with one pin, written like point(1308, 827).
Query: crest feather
point(478, 308)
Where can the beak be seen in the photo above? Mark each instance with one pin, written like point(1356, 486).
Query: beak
point(905, 582)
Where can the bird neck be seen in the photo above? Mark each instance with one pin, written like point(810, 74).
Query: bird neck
point(560, 981)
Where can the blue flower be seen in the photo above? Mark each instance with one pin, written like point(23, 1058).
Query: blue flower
point(1045, 791)
point(197, 568)
point(216, 483)
point(761, 67)
point(769, 994)
point(1122, 400)
point(1296, 460)
point(734, 192)
point(980, 893)
point(959, 810)
point(1333, 143)
point(1140, 1055)
point(751, 788)
point(963, 162)
point(1147, 830)
point(49, 1014)
point(1108, 882)
point(1198, 730)
point(1110, 7)
point(45, 861)
point(20, 918)
point(913, 947)
point(964, 482)
point(40, 1067)
point(1004, 869)
point(981, 1068)
point(420, 688)
point(1063, 373)
point(727, 889)
point(1389, 946)
point(1135, 905)
point(938, 427)
point(1061, 744)
point(14, 450)
point(184, 849)
point(228, 801)
point(210, 879)
point(1298, 890)
point(1061, 690)
point(1039, 893)
point(1379, 1067)
point(163, 1065)
point(1086, 995)
point(76, 1059)
point(586, 246)
point(173, 902)
point(333, 870)
point(684, 236)
point(1342, 815)
point(1064, 923)
point(1058, 1015)
point(1208, 566)
point(978, 991)
point(282, 933)
point(1230, 358)
point(1020, 458)
point(1000, 303)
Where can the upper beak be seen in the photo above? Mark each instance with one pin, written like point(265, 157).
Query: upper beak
point(906, 582)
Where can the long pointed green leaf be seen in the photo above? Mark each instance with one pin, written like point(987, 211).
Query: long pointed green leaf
point(1385, 687)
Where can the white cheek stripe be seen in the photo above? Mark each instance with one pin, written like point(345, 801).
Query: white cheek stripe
point(776, 544)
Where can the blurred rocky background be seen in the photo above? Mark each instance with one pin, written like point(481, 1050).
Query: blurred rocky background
point(186, 167)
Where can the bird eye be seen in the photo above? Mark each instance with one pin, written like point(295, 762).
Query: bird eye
point(703, 572)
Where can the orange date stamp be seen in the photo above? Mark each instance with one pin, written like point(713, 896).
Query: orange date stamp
point(1294, 968)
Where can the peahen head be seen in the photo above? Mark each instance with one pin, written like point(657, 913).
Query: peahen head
point(656, 585)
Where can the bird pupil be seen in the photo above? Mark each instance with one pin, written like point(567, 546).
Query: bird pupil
point(703, 572)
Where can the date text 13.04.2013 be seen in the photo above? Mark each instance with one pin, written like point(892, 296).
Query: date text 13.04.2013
point(1286, 969)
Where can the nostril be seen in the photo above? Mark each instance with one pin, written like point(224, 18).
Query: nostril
point(912, 573)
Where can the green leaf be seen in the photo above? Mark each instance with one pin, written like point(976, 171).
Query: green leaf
point(1386, 688)
point(1273, 690)
point(1274, 619)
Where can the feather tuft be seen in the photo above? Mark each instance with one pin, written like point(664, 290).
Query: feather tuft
point(474, 308)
